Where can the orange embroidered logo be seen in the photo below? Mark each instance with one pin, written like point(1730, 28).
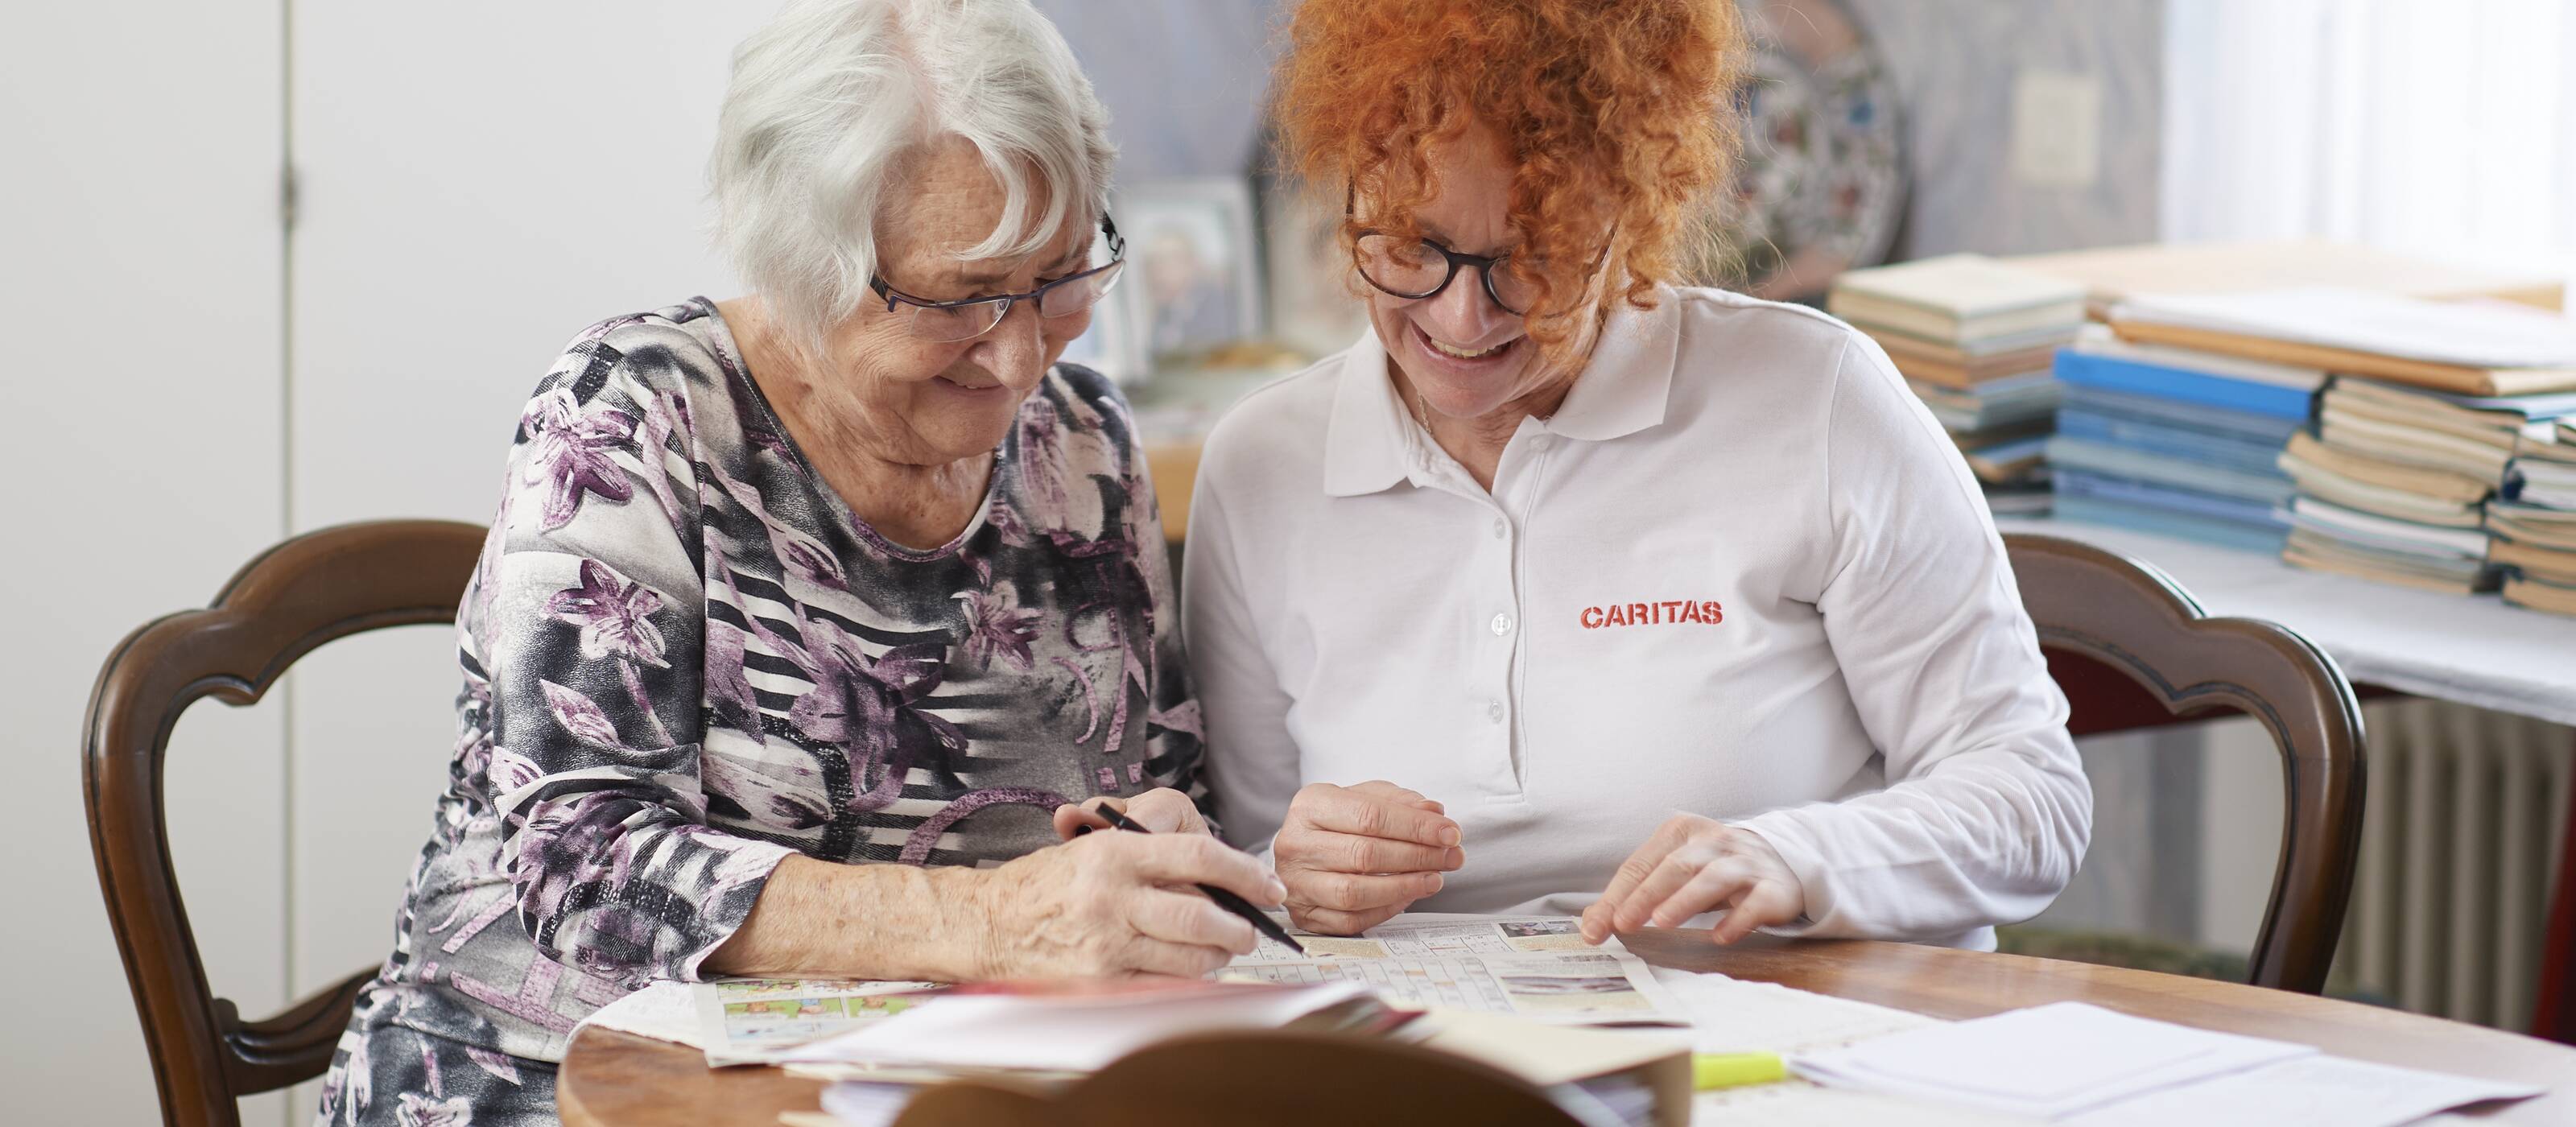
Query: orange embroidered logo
point(1653, 614)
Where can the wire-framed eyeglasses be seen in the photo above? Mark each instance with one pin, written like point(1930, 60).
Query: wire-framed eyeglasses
point(949, 321)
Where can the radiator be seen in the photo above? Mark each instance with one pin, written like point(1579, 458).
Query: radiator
point(2458, 853)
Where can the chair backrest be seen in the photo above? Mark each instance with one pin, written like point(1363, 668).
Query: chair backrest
point(298, 595)
point(2131, 649)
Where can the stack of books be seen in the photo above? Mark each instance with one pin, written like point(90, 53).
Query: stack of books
point(2177, 441)
point(1975, 339)
point(2534, 524)
point(2409, 472)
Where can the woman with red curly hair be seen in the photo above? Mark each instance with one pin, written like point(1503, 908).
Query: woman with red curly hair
point(1650, 601)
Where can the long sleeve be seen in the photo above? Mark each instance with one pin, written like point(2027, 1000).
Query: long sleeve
point(586, 619)
point(1252, 762)
point(1986, 812)
point(1176, 739)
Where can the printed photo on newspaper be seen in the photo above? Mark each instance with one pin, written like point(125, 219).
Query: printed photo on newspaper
point(755, 1020)
point(1535, 966)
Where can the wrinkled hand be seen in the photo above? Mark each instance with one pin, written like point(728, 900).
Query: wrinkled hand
point(1161, 810)
point(1119, 904)
point(1693, 865)
point(1353, 857)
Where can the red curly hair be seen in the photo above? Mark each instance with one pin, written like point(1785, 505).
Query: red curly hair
point(1613, 112)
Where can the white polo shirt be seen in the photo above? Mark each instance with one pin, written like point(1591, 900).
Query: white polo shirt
point(1740, 573)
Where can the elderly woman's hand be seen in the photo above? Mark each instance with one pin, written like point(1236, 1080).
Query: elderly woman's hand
point(1693, 865)
point(1161, 810)
point(1355, 856)
point(1118, 904)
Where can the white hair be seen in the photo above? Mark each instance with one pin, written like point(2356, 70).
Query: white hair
point(830, 97)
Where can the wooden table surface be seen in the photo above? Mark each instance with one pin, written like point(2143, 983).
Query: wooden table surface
point(610, 1077)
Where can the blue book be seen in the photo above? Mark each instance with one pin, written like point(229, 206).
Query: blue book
point(2243, 426)
point(2117, 374)
point(2126, 464)
point(2165, 522)
point(2255, 514)
point(2223, 450)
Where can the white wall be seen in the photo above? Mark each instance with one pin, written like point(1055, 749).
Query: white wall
point(469, 201)
point(139, 267)
point(470, 197)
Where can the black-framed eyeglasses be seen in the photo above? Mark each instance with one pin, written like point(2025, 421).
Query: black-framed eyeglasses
point(949, 321)
point(1416, 268)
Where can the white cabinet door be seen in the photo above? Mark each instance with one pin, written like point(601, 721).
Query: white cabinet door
point(139, 251)
point(478, 181)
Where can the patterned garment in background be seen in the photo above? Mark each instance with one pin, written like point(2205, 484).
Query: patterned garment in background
point(685, 659)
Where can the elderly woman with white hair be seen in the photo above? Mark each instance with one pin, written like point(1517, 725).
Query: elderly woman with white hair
point(810, 616)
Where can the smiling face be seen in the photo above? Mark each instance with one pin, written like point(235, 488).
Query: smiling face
point(1463, 355)
point(920, 402)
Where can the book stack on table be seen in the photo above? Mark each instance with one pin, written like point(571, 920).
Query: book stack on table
point(1975, 339)
point(2177, 441)
point(2406, 473)
point(2533, 525)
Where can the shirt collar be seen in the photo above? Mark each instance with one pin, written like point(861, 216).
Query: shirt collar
point(1373, 442)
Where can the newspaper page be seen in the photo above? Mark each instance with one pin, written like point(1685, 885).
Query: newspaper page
point(756, 1020)
point(1537, 967)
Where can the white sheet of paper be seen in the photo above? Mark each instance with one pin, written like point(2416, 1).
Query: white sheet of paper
point(2470, 334)
point(1733, 1016)
point(2042, 1062)
point(2311, 1091)
point(663, 1011)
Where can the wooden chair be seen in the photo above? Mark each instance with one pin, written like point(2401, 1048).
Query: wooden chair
point(2131, 649)
point(298, 595)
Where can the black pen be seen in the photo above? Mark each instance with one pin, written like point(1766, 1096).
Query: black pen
point(1259, 919)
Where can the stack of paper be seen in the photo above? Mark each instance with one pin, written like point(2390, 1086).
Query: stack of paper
point(2466, 348)
point(1974, 338)
point(2177, 441)
point(2084, 1065)
point(2041, 1063)
point(2437, 410)
point(2533, 524)
point(2396, 482)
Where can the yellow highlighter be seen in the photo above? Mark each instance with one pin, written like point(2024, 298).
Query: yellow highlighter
point(1712, 1071)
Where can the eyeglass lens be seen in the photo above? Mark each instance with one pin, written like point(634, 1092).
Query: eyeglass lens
point(1417, 268)
point(1063, 299)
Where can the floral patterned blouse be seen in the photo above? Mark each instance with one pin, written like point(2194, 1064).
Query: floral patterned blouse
point(685, 659)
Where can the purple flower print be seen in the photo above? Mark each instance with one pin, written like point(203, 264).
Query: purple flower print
point(570, 447)
point(615, 615)
point(868, 706)
point(616, 619)
point(728, 688)
point(417, 1110)
point(997, 624)
point(500, 1065)
point(663, 414)
point(798, 554)
point(1049, 452)
point(581, 716)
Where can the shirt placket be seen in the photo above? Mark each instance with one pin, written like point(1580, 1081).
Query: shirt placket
point(1491, 616)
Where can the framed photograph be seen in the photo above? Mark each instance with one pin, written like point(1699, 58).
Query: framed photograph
point(1193, 279)
point(1316, 308)
point(1109, 345)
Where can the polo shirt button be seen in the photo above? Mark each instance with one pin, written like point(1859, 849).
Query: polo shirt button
point(1501, 529)
point(1502, 624)
point(1494, 711)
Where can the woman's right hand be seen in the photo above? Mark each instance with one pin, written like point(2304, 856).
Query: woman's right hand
point(1353, 857)
point(1118, 904)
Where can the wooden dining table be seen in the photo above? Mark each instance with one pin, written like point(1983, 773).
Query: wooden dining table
point(611, 1077)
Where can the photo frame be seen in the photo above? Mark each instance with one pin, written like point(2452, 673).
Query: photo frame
point(1109, 345)
point(1194, 267)
point(1316, 304)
